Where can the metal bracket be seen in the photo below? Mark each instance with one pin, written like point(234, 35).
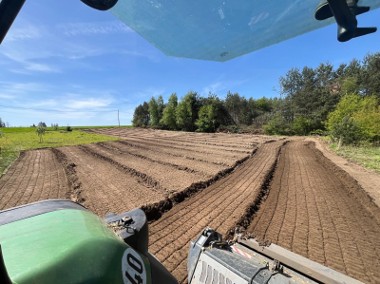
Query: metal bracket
point(344, 12)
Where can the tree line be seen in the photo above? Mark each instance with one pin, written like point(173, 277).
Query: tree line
point(342, 102)
point(205, 114)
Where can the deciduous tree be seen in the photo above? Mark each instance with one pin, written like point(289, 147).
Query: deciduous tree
point(187, 112)
point(141, 115)
point(168, 119)
point(154, 114)
point(206, 121)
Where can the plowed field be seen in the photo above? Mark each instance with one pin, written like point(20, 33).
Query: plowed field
point(281, 191)
point(317, 210)
point(144, 168)
point(220, 206)
point(36, 175)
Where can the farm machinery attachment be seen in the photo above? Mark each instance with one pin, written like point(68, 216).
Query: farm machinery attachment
point(212, 260)
point(59, 241)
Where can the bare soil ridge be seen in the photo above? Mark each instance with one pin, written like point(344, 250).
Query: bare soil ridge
point(219, 206)
point(155, 211)
point(291, 194)
point(317, 210)
point(34, 176)
point(115, 176)
point(368, 180)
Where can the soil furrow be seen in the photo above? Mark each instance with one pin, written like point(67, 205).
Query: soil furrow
point(179, 152)
point(197, 139)
point(290, 195)
point(31, 178)
point(106, 188)
point(157, 153)
point(323, 220)
point(145, 157)
point(206, 202)
point(206, 144)
point(11, 189)
point(170, 179)
point(155, 211)
point(191, 147)
point(245, 220)
point(71, 176)
point(168, 239)
point(143, 178)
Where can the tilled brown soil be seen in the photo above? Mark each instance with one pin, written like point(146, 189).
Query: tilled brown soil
point(286, 193)
point(104, 187)
point(196, 152)
point(219, 206)
point(169, 156)
point(317, 210)
point(196, 139)
point(167, 177)
point(150, 168)
point(36, 175)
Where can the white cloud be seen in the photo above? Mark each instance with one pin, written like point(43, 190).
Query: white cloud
point(93, 28)
point(88, 103)
point(31, 47)
point(23, 46)
point(148, 93)
point(22, 33)
point(41, 68)
point(213, 88)
point(4, 96)
point(25, 60)
point(37, 96)
point(44, 103)
point(221, 87)
point(16, 88)
point(34, 54)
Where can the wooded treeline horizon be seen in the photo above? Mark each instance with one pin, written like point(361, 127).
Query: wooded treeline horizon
point(342, 102)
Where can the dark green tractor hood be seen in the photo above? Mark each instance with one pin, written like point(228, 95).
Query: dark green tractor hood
point(61, 242)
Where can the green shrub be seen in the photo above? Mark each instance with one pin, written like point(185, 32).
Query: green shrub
point(355, 119)
point(41, 131)
point(347, 131)
point(278, 126)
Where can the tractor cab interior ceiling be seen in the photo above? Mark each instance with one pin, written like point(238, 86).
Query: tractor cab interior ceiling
point(223, 29)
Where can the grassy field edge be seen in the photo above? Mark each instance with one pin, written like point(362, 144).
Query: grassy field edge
point(364, 155)
point(15, 140)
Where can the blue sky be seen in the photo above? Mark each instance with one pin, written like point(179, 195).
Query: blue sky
point(65, 63)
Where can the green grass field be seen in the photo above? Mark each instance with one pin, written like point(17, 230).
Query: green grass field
point(16, 139)
point(367, 156)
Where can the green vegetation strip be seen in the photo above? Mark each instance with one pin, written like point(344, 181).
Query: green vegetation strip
point(13, 140)
point(367, 156)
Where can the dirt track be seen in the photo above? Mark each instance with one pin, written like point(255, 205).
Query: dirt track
point(287, 193)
